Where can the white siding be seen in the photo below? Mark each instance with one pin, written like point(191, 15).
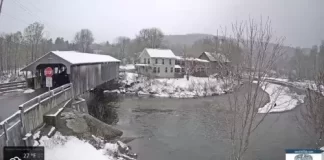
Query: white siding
point(162, 73)
point(166, 64)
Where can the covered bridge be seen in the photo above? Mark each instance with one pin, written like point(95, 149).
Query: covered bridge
point(84, 70)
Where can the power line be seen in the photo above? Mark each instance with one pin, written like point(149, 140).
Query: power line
point(23, 7)
point(32, 4)
point(15, 18)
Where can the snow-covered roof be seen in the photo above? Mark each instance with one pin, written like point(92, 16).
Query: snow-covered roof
point(216, 57)
point(177, 66)
point(191, 59)
point(160, 53)
point(179, 58)
point(74, 57)
point(69, 58)
point(142, 65)
point(197, 59)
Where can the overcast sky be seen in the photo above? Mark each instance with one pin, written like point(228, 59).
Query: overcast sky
point(300, 21)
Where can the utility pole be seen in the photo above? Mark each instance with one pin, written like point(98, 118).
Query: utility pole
point(1, 5)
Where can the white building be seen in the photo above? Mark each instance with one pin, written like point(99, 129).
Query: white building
point(157, 63)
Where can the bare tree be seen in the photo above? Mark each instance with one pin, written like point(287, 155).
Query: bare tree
point(256, 59)
point(122, 45)
point(84, 39)
point(17, 39)
point(150, 37)
point(33, 34)
point(311, 116)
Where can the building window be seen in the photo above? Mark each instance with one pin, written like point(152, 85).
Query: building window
point(171, 70)
point(158, 69)
point(170, 61)
point(156, 61)
point(148, 60)
point(182, 70)
point(144, 60)
point(166, 69)
point(162, 61)
point(154, 70)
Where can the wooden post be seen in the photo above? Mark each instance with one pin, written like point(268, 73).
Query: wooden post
point(5, 129)
point(22, 120)
point(52, 98)
point(65, 98)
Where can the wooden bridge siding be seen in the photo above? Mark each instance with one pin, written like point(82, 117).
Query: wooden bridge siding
point(2, 144)
point(32, 117)
point(34, 114)
point(86, 77)
point(14, 137)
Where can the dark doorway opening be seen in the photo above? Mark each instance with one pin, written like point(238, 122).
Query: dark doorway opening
point(60, 75)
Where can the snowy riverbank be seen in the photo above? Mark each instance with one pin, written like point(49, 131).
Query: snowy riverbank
point(281, 98)
point(61, 147)
point(81, 136)
point(176, 87)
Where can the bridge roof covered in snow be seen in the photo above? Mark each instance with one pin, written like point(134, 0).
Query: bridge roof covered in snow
point(74, 57)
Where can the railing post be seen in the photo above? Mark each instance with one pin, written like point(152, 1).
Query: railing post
point(5, 129)
point(65, 98)
point(22, 120)
point(52, 98)
point(39, 101)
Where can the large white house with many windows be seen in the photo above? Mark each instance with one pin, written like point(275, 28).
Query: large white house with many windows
point(157, 63)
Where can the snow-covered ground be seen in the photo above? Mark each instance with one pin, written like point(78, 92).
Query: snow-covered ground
point(127, 67)
point(281, 99)
point(301, 84)
point(61, 147)
point(29, 90)
point(177, 87)
point(278, 79)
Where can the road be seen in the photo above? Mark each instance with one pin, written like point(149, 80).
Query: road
point(9, 102)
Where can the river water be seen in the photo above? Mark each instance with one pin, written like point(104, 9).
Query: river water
point(194, 129)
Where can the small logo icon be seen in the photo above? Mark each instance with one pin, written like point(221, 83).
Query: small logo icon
point(303, 157)
point(15, 158)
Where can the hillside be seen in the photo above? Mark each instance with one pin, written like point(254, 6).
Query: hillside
point(189, 39)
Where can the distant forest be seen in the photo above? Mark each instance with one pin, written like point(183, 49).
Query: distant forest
point(20, 48)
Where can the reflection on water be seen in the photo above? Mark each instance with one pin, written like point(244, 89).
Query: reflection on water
point(104, 107)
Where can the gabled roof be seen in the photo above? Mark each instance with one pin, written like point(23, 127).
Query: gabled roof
point(69, 58)
point(191, 59)
point(160, 53)
point(216, 57)
point(74, 57)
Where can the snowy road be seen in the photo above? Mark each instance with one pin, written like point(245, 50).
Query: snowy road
point(9, 102)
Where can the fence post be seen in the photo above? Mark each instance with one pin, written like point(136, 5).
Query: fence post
point(62, 88)
point(22, 121)
point(39, 101)
point(5, 129)
point(52, 98)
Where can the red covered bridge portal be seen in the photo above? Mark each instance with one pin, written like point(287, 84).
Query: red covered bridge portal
point(84, 70)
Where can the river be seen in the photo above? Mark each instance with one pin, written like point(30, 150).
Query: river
point(191, 129)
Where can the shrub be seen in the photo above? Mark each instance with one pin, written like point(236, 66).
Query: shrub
point(192, 86)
